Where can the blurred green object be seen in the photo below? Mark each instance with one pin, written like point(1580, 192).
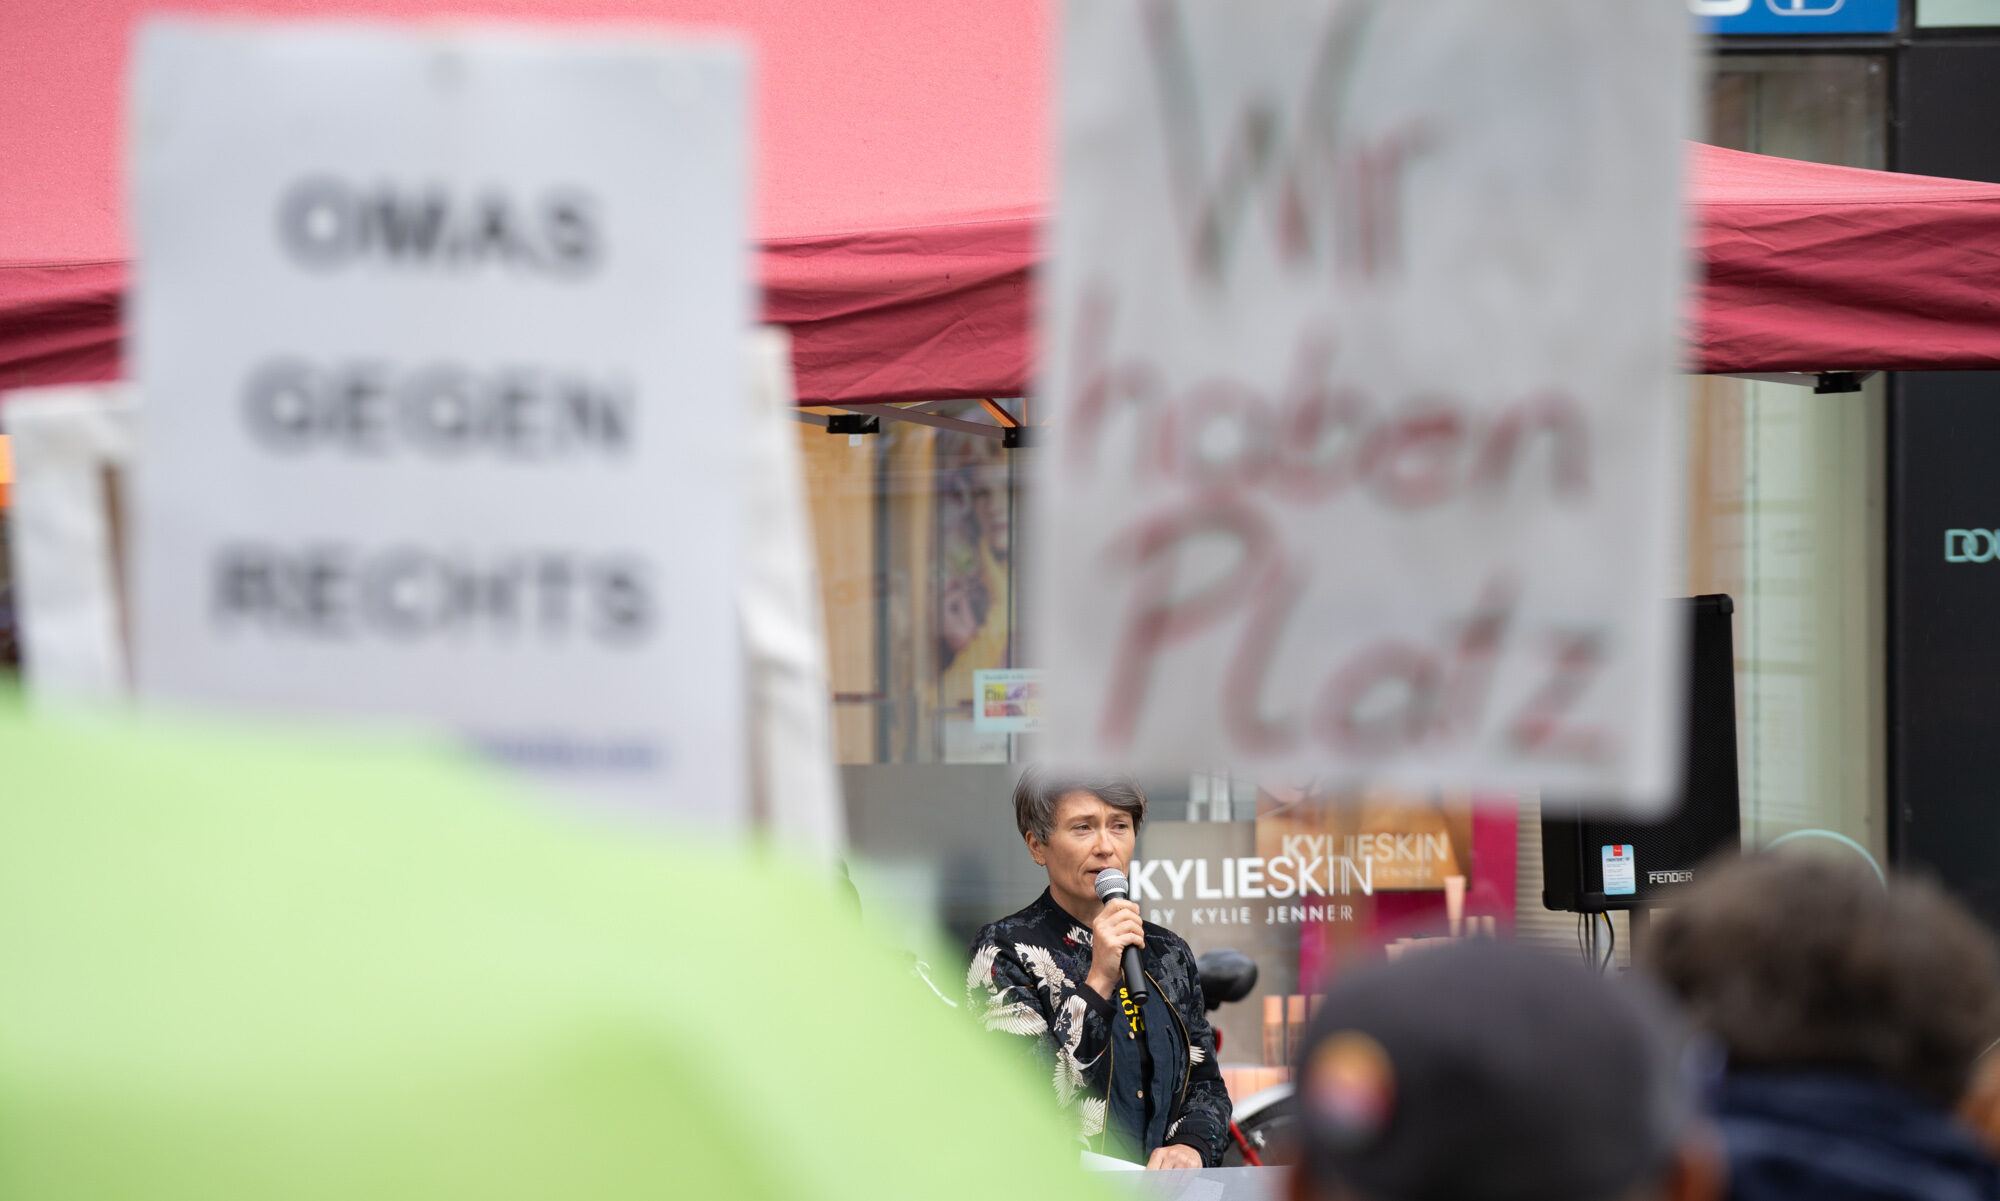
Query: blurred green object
point(237, 967)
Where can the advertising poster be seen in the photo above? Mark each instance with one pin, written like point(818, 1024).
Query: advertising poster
point(974, 576)
point(1309, 883)
point(1010, 701)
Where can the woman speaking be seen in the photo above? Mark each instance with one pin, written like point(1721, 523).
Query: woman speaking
point(1140, 1077)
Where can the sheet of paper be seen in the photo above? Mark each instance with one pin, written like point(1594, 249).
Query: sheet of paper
point(440, 332)
point(1360, 337)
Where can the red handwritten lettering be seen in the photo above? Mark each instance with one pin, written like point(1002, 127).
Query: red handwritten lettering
point(1542, 728)
point(1159, 616)
point(1322, 187)
point(1243, 713)
point(1381, 701)
point(1321, 441)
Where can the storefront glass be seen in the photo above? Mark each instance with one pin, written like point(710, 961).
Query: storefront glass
point(1786, 502)
point(1960, 13)
point(916, 538)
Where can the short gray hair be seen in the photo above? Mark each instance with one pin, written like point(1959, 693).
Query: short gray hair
point(1040, 790)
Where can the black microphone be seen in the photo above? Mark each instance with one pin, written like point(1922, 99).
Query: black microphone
point(1111, 886)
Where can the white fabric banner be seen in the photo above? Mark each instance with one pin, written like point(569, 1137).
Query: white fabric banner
point(794, 788)
point(1361, 341)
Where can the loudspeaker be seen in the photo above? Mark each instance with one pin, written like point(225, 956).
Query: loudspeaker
point(1590, 865)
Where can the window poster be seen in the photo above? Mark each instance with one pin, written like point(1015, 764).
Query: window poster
point(973, 587)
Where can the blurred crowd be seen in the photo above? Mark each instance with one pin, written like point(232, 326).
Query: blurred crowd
point(235, 967)
point(1796, 1029)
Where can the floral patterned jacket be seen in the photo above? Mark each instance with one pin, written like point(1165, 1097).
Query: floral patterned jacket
point(1027, 981)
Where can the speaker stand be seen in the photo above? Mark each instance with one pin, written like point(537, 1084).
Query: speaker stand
point(1639, 933)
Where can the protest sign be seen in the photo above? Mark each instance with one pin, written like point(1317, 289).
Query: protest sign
point(1360, 341)
point(441, 340)
point(72, 448)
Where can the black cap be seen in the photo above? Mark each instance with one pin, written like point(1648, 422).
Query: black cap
point(1484, 1071)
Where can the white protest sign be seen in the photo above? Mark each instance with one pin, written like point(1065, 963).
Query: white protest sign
point(1361, 339)
point(441, 338)
point(72, 445)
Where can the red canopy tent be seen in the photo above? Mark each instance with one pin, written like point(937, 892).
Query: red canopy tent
point(901, 187)
point(1811, 268)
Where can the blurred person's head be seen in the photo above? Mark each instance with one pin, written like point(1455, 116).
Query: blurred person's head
point(1798, 962)
point(1483, 1071)
point(1076, 826)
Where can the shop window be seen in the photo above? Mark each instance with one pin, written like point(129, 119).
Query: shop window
point(1823, 108)
point(916, 530)
point(1785, 515)
point(1785, 498)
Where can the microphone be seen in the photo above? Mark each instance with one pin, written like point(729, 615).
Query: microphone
point(1111, 886)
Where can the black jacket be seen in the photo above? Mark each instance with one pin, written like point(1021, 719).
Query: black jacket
point(1027, 980)
point(1825, 1136)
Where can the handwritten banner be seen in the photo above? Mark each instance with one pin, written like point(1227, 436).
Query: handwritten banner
point(1361, 348)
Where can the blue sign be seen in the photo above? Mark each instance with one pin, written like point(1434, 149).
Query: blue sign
point(1798, 16)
